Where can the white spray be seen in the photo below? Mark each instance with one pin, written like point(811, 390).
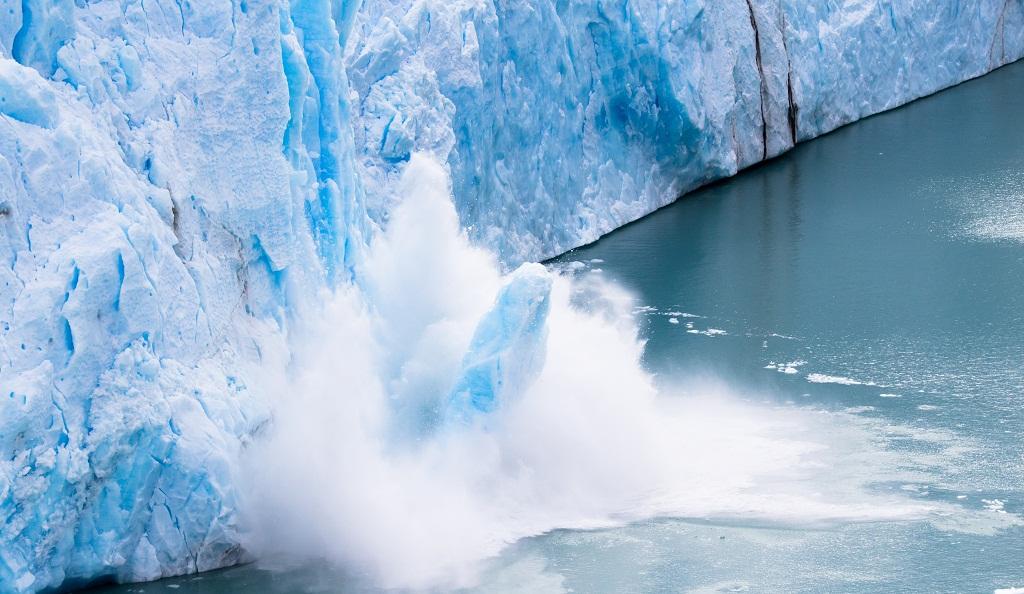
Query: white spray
point(355, 469)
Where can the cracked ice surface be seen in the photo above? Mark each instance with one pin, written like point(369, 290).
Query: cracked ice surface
point(178, 178)
point(169, 175)
point(564, 120)
point(507, 350)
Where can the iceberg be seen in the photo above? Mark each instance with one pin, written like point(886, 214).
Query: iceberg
point(179, 179)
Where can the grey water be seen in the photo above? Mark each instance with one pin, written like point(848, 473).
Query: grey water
point(878, 270)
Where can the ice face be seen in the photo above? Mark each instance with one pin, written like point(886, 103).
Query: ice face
point(170, 174)
point(507, 350)
point(177, 179)
point(564, 120)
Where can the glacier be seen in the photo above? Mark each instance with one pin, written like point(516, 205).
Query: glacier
point(180, 179)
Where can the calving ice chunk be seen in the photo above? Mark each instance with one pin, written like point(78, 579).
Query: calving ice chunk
point(507, 406)
point(180, 182)
point(508, 348)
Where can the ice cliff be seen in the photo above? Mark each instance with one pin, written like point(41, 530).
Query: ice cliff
point(178, 178)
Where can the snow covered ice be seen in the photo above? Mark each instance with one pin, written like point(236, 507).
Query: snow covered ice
point(180, 181)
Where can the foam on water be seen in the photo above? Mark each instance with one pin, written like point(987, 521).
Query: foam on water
point(359, 468)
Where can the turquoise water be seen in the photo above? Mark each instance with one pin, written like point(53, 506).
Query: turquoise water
point(889, 253)
point(877, 273)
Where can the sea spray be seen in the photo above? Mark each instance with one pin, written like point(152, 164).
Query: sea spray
point(360, 468)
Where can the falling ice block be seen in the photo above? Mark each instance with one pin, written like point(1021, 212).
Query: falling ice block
point(507, 350)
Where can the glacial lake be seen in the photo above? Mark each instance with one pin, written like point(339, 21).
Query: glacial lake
point(875, 273)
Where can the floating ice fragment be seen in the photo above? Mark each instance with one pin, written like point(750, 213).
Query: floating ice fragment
point(787, 368)
point(708, 332)
point(820, 378)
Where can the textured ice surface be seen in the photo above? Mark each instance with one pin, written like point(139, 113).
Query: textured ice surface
point(178, 177)
point(169, 173)
point(507, 350)
point(563, 120)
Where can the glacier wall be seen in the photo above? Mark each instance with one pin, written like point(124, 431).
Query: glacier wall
point(174, 178)
point(563, 120)
point(179, 178)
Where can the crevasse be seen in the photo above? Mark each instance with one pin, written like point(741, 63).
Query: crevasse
point(179, 178)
